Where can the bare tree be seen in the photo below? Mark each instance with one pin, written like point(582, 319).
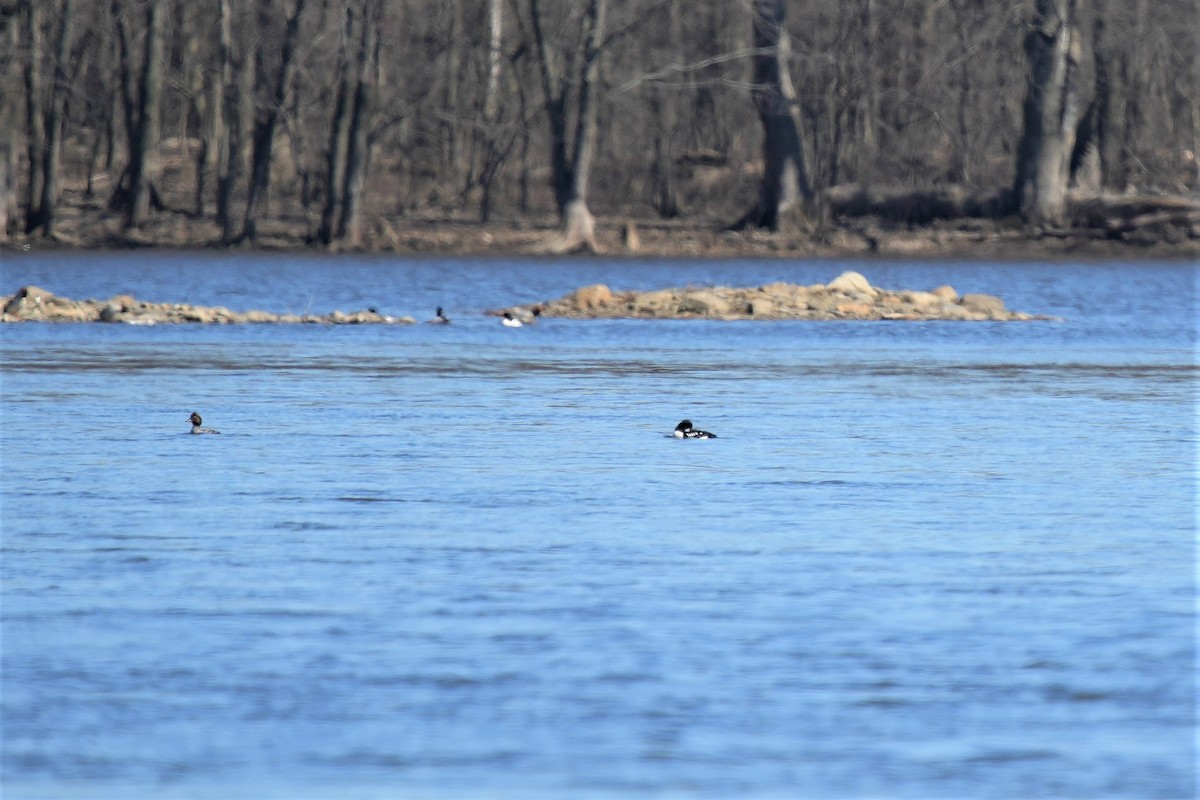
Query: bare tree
point(785, 185)
point(10, 95)
point(55, 111)
point(235, 78)
point(494, 151)
point(35, 121)
point(146, 131)
point(1051, 113)
point(572, 171)
point(349, 142)
point(361, 108)
point(268, 112)
point(872, 98)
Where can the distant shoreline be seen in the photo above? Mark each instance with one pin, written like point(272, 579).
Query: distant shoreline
point(83, 228)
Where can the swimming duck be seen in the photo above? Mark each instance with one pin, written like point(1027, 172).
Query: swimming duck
point(684, 430)
point(196, 423)
point(440, 319)
point(510, 321)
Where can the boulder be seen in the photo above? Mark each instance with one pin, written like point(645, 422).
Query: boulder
point(850, 282)
point(27, 301)
point(704, 302)
point(922, 301)
point(111, 313)
point(985, 303)
point(821, 301)
point(592, 297)
point(854, 310)
point(654, 303)
point(761, 307)
point(946, 293)
point(196, 314)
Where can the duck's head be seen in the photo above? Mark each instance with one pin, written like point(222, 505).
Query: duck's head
point(684, 426)
point(195, 419)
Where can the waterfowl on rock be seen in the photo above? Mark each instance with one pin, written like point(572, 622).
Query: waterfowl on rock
point(197, 422)
point(684, 430)
point(509, 321)
point(440, 319)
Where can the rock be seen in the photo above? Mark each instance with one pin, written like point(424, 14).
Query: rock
point(654, 302)
point(761, 307)
point(851, 282)
point(889, 299)
point(111, 313)
point(856, 310)
point(921, 301)
point(848, 297)
point(27, 301)
point(986, 303)
point(952, 311)
point(592, 297)
point(196, 314)
point(707, 303)
point(821, 302)
point(34, 293)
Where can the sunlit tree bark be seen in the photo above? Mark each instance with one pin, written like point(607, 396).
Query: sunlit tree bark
point(1051, 113)
point(267, 116)
point(572, 173)
point(144, 138)
point(362, 105)
point(785, 187)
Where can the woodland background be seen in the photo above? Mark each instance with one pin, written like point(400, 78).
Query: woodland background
point(335, 122)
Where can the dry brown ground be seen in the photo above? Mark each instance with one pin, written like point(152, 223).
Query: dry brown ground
point(86, 225)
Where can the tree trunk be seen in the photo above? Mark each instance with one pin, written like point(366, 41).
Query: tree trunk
point(357, 142)
point(9, 134)
point(143, 150)
point(235, 79)
point(578, 230)
point(493, 154)
point(1051, 114)
point(554, 91)
point(335, 156)
point(268, 119)
point(451, 167)
point(785, 183)
point(35, 121)
point(55, 110)
point(664, 111)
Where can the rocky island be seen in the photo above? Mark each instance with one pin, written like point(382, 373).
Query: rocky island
point(848, 297)
point(34, 303)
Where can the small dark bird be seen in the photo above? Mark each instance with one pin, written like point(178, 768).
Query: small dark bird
point(197, 422)
point(440, 319)
point(684, 430)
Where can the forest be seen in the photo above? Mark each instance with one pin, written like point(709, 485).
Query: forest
point(335, 124)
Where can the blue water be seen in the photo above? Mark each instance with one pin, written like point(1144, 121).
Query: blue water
point(923, 560)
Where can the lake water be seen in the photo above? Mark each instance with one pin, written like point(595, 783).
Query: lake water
point(923, 560)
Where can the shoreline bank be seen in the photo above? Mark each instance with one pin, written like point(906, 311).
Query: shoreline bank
point(84, 228)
